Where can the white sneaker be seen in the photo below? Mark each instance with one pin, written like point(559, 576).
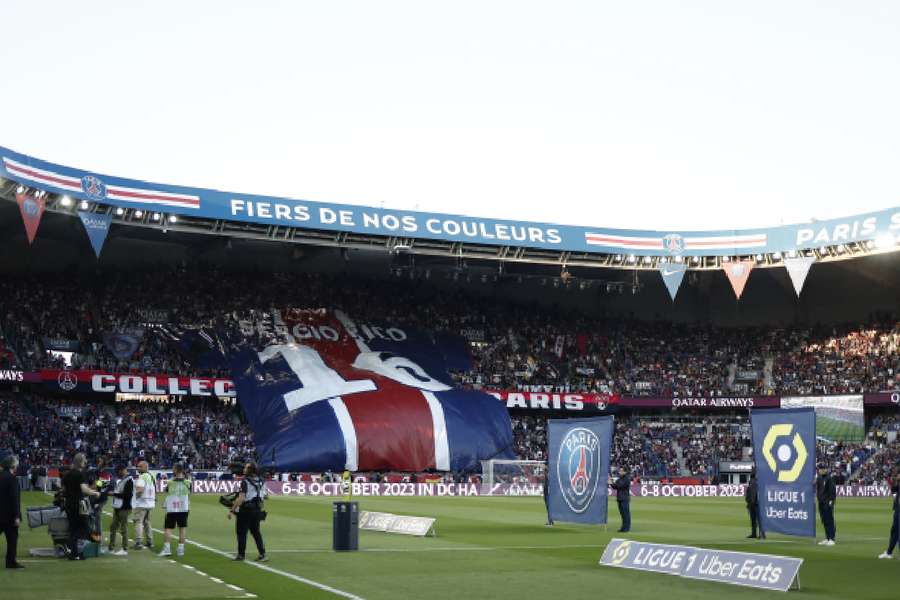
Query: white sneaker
point(823, 543)
point(166, 551)
point(120, 552)
point(829, 542)
point(180, 551)
point(885, 555)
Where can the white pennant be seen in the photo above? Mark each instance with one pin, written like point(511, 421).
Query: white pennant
point(798, 269)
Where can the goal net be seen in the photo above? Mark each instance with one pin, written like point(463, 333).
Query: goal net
point(520, 472)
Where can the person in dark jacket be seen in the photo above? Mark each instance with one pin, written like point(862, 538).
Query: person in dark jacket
point(547, 484)
point(248, 509)
point(826, 494)
point(10, 509)
point(74, 489)
point(895, 526)
point(751, 497)
point(622, 485)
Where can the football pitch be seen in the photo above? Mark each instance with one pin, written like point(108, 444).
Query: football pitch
point(839, 431)
point(484, 548)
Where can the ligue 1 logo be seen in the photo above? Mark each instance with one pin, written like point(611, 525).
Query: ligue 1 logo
point(621, 553)
point(93, 187)
point(789, 458)
point(577, 468)
point(674, 243)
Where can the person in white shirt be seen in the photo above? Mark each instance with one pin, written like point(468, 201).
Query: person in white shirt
point(143, 502)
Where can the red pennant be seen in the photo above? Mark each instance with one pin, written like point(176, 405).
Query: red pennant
point(32, 209)
point(738, 272)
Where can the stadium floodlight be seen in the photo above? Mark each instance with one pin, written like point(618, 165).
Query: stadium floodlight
point(138, 214)
point(120, 211)
point(759, 258)
point(841, 248)
point(20, 189)
point(777, 256)
point(679, 259)
point(631, 258)
point(157, 216)
point(618, 257)
point(884, 241)
point(823, 250)
point(696, 259)
point(648, 260)
point(726, 258)
point(792, 253)
point(173, 219)
point(83, 205)
point(65, 201)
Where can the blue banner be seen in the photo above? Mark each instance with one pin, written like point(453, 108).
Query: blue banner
point(672, 275)
point(578, 469)
point(324, 392)
point(784, 449)
point(97, 227)
point(307, 214)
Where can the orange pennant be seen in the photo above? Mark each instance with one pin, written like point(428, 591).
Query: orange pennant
point(737, 273)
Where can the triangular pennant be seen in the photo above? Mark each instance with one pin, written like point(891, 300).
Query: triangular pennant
point(798, 269)
point(97, 226)
point(32, 209)
point(738, 272)
point(672, 275)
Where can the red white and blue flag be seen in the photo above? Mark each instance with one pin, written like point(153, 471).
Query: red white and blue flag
point(322, 392)
point(95, 189)
point(675, 243)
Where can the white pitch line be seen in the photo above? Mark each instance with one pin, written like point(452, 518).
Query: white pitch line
point(235, 588)
point(264, 567)
point(441, 549)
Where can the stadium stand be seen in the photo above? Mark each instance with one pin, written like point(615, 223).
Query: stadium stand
point(523, 347)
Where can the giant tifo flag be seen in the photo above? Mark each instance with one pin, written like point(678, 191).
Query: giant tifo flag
point(322, 392)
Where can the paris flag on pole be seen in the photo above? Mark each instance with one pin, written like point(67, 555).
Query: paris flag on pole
point(784, 450)
point(324, 392)
point(578, 469)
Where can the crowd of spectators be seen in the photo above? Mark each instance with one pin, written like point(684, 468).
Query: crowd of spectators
point(518, 344)
point(48, 432)
point(515, 346)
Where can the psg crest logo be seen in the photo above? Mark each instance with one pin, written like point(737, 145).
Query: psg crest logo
point(578, 469)
point(31, 207)
point(674, 243)
point(93, 187)
point(67, 380)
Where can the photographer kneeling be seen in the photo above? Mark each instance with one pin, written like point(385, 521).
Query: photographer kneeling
point(249, 510)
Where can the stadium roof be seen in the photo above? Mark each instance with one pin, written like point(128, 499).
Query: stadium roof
point(212, 212)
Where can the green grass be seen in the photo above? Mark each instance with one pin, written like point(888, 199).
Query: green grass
point(839, 431)
point(485, 548)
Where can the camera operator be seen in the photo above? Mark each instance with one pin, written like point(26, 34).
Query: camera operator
point(75, 489)
point(249, 510)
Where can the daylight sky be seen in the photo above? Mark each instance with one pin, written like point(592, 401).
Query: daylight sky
point(647, 114)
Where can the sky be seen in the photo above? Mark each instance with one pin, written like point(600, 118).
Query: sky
point(646, 115)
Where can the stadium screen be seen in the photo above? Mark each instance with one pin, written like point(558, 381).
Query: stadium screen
point(838, 418)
